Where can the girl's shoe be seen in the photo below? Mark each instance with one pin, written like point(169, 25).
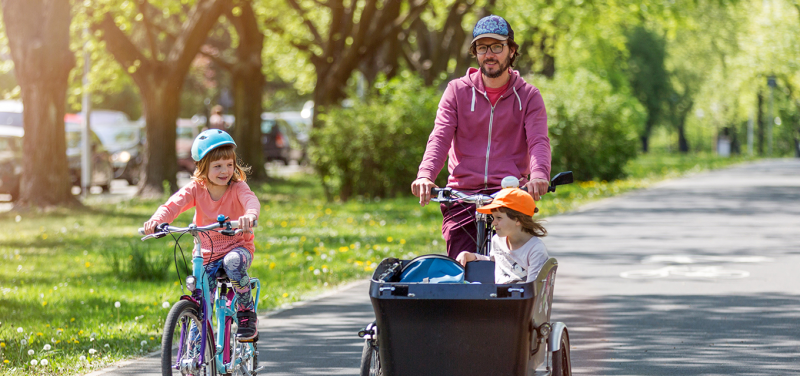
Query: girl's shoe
point(248, 331)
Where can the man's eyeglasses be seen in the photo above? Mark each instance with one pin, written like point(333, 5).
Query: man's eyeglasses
point(496, 48)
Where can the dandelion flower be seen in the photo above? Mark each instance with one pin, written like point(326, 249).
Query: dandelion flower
point(45, 362)
point(144, 343)
point(165, 305)
point(117, 305)
point(47, 347)
point(316, 271)
point(23, 342)
point(30, 352)
point(82, 358)
point(107, 345)
point(20, 330)
point(92, 351)
point(6, 361)
point(34, 362)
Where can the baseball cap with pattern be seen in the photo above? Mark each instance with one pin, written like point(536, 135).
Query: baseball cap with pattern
point(492, 27)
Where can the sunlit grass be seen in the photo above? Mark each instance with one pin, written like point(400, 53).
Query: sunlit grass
point(59, 284)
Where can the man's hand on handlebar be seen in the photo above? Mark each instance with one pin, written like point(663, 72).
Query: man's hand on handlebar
point(422, 189)
point(537, 188)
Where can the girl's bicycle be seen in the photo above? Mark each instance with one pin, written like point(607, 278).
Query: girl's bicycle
point(186, 345)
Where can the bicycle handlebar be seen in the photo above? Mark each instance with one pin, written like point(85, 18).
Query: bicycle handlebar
point(164, 229)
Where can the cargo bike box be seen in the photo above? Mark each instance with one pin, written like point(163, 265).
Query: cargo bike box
point(462, 328)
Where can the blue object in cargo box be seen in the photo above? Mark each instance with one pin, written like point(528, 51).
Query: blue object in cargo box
point(432, 269)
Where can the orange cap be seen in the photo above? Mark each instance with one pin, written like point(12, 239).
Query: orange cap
point(512, 198)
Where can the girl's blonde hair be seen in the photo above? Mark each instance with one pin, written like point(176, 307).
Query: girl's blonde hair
point(529, 225)
point(223, 152)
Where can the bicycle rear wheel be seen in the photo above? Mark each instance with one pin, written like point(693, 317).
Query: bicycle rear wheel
point(179, 348)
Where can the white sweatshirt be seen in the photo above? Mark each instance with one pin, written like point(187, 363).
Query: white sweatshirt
point(514, 266)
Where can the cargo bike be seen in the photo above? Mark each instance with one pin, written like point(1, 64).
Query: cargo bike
point(472, 328)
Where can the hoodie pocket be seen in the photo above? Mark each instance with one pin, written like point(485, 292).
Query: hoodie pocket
point(498, 169)
point(469, 172)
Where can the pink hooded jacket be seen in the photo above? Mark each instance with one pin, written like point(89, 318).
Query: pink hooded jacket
point(486, 144)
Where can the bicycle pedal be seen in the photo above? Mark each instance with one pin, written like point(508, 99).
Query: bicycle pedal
point(254, 339)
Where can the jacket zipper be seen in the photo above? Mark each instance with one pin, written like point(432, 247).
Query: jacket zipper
point(489, 142)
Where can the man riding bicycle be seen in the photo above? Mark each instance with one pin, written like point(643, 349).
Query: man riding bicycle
point(491, 124)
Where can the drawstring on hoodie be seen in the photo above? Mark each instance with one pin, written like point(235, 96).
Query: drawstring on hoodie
point(473, 99)
point(472, 108)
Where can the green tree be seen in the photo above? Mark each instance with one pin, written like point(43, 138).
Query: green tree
point(337, 36)
point(137, 34)
point(649, 78)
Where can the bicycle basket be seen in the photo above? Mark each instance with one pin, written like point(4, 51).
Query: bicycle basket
point(432, 269)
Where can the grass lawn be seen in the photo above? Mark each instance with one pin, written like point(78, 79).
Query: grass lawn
point(79, 290)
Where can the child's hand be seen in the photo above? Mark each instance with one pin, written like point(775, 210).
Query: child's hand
point(464, 257)
point(246, 222)
point(150, 227)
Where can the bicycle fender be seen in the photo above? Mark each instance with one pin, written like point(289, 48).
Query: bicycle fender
point(191, 299)
point(554, 342)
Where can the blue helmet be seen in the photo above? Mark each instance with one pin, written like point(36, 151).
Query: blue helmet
point(209, 140)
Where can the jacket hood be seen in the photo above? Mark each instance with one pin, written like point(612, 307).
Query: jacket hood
point(474, 80)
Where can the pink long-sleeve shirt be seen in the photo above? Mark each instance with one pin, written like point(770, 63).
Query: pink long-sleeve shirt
point(237, 201)
point(486, 142)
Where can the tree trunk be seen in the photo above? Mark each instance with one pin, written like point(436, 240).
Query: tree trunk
point(248, 85)
point(38, 37)
point(248, 88)
point(683, 143)
point(161, 107)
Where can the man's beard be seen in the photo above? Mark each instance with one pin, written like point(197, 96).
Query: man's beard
point(499, 72)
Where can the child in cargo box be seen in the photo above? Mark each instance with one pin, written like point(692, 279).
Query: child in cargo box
point(517, 251)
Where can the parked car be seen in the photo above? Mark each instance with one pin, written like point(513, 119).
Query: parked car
point(11, 113)
point(122, 138)
point(187, 130)
point(102, 167)
point(10, 159)
point(279, 141)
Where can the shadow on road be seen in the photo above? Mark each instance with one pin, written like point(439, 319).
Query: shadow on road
point(684, 335)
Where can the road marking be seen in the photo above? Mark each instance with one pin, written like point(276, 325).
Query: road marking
point(696, 259)
point(705, 272)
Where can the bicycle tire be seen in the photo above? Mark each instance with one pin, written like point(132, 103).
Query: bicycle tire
point(562, 364)
point(370, 360)
point(183, 312)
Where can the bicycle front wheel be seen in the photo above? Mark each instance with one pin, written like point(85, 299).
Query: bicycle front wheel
point(181, 343)
point(370, 360)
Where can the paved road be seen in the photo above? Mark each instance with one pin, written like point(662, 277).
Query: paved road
point(697, 276)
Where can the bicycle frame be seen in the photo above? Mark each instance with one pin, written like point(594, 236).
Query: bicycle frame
point(224, 315)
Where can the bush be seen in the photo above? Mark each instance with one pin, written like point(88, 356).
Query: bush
point(592, 129)
point(374, 148)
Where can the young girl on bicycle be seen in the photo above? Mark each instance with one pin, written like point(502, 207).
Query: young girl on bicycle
point(517, 251)
point(218, 187)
